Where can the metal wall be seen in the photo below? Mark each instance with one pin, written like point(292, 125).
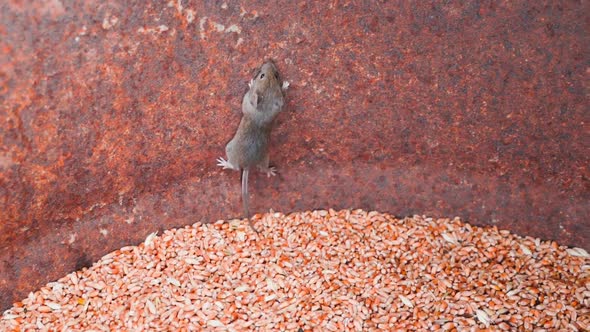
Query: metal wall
point(113, 113)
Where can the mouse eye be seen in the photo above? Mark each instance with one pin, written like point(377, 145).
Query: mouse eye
point(262, 75)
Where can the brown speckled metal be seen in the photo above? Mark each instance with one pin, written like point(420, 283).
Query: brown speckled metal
point(113, 114)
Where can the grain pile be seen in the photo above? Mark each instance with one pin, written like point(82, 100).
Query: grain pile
point(321, 270)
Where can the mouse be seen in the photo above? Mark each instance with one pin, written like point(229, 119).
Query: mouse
point(248, 149)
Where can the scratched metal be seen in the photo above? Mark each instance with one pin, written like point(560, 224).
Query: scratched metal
point(113, 113)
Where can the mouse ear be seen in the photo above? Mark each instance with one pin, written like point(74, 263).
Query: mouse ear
point(255, 99)
point(260, 98)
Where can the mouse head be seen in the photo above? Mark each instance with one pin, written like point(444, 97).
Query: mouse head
point(266, 77)
point(265, 99)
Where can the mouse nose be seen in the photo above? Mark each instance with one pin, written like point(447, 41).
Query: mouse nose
point(269, 63)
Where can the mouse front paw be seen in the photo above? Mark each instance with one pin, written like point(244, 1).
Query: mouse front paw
point(224, 163)
point(285, 85)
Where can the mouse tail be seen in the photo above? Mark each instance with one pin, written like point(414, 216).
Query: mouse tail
point(245, 198)
point(245, 192)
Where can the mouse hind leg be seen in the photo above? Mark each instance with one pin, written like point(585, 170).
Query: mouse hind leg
point(264, 167)
point(230, 163)
point(226, 164)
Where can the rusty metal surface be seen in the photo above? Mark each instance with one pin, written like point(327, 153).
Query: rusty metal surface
point(113, 114)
